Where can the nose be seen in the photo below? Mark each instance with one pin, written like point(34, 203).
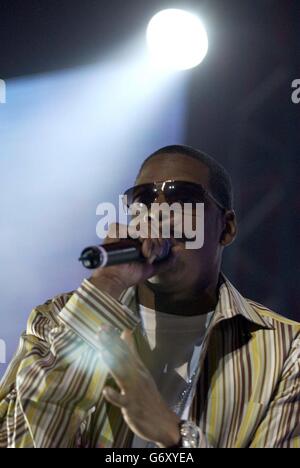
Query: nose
point(161, 197)
point(160, 216)
point(153, 213)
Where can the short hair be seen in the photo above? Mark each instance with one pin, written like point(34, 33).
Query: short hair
point(219, 179)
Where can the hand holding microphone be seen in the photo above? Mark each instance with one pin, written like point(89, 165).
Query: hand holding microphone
point(127, 262)
point(117, 253)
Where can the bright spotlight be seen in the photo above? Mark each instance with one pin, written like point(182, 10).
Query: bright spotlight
point(177, 39)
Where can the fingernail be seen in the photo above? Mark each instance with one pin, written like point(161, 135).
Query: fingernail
point(106, 391)
point(152, 258)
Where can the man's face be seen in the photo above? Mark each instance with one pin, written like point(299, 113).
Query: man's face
point(193, 268)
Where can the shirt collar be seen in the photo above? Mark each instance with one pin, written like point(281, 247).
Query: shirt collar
point(231, 304)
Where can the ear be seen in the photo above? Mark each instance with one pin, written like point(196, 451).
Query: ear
point(229, 232)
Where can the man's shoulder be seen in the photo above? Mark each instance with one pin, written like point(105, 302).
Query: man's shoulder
point(273, 317)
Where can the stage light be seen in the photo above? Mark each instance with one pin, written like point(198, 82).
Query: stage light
point(177, 39)
point(71, 139)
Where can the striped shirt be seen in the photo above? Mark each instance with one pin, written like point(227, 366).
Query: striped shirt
point(248, 381)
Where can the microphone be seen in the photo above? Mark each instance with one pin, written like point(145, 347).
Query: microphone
point(125, 251)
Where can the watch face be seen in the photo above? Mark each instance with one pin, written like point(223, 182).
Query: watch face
point(190, 434)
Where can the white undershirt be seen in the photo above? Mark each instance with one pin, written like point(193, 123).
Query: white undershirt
point(175, 342)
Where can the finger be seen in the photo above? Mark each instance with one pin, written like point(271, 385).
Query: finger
point(115, 398)
point(157, 249)
point(128, 337)
point(177, 249)
point(116, 231)
point(155, 252)
point(109, 361)
point(150, 247)
point(118, 358)
point(170, 262)
point(112, 343)
point(144, 228)
point(146, 247)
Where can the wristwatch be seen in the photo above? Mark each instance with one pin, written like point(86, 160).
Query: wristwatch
point(190, 435)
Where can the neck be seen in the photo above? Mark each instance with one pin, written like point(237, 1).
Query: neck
point(196, 301)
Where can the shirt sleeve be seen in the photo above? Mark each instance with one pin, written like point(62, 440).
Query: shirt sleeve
point(57, 375)
point(280, 427)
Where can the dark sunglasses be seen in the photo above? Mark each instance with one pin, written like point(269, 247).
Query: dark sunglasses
point(175, 191)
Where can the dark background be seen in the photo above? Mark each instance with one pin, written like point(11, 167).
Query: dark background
point(239, 109)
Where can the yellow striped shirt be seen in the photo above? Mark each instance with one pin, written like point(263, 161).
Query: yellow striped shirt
point(248, 383)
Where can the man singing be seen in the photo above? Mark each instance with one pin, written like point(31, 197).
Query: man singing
point(158, 354)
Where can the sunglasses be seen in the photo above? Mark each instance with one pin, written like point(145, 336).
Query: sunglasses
point(175, 191)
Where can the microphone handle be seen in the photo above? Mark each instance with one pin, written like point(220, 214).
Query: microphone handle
point(125, 251)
